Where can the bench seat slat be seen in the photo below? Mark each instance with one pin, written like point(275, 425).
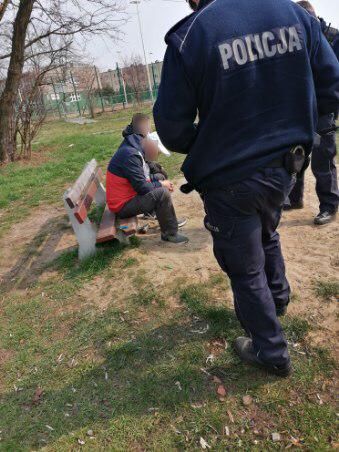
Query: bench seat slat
point(110, 225)
point(128, 225)
point(107, 230)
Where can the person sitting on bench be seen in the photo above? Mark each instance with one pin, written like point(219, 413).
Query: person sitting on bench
point(130, 190)
point(142, 123)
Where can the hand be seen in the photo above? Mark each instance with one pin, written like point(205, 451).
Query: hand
point(167, 184)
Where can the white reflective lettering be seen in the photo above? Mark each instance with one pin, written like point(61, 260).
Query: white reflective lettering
point(294, 39)
point(249, 43)
point(253, 47)
point(258, 46)
point(239, 50)
point(226, 53)
point(266, 37)
point(282, 46)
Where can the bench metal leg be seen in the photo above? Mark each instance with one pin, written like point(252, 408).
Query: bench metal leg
point(86, 234)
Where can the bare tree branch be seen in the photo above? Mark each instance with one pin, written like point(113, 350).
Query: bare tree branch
point(3, 7)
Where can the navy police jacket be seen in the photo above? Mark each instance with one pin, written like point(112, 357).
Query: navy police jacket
point(256, 73)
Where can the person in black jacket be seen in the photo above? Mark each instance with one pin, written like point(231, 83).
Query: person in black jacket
point(324, 151)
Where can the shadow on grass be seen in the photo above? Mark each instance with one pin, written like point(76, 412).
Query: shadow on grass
point(137, 375)
point(69, 264)
point(32, 262)
point(41, 254)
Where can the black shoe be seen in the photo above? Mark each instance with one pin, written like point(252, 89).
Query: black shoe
point(177, 239)
point(281, 311)
point(243, 347)
point(324, 218)
point(294, 205)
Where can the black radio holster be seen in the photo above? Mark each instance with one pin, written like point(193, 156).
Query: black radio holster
point(295, 160)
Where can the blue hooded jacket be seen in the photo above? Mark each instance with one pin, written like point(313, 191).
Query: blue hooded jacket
point(256, 73)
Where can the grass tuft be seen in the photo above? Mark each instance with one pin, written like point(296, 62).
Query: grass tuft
point(327, 289)
point(295, 329)
point(148, 295)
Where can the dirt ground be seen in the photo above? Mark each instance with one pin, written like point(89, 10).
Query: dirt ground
point(312, 254)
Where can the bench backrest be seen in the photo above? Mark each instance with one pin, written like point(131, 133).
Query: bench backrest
point(80, 196)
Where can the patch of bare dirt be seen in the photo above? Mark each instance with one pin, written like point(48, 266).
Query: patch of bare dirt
point(43, 155)
point(5, 355)
point(312, 254)
point(193, 260)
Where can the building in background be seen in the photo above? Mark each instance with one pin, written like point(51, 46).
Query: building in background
point(134, 76)
point(82, 88)
point(70, 83)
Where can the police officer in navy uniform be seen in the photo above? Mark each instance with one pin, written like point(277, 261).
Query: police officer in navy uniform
point(255, 73)
point(324, 151)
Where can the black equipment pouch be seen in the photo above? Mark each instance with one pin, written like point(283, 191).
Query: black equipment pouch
point(295, 159)
point(187, 188)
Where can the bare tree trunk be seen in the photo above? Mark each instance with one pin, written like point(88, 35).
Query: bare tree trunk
point(9, 94)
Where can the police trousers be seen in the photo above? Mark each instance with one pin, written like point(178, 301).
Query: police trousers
point(323, 167)
point(243, 219)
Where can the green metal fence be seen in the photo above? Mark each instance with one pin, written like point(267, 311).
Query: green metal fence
point(89, 104)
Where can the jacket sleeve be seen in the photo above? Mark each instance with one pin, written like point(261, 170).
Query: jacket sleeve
point(176, 107)
point(134, 172)
point(325, 68)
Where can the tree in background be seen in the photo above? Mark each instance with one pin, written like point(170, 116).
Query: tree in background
point(35, 28)
point(31, 112)
point(135, 76)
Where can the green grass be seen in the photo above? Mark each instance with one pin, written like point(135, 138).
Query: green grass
point(112, 350)
point(141, 385)
point(327, 290)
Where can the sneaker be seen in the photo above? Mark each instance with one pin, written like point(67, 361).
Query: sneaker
point(177, 238)
point(149, 216)
point(153, 217)
point(244, 348)
point(181, 222)
point(294, 205)
point(324, 218)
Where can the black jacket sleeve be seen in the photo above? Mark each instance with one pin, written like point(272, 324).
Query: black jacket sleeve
point(134, 172)
point(325, 67)
point(176, 107)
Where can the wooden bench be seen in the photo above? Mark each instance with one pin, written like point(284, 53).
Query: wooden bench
point(78, 200)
